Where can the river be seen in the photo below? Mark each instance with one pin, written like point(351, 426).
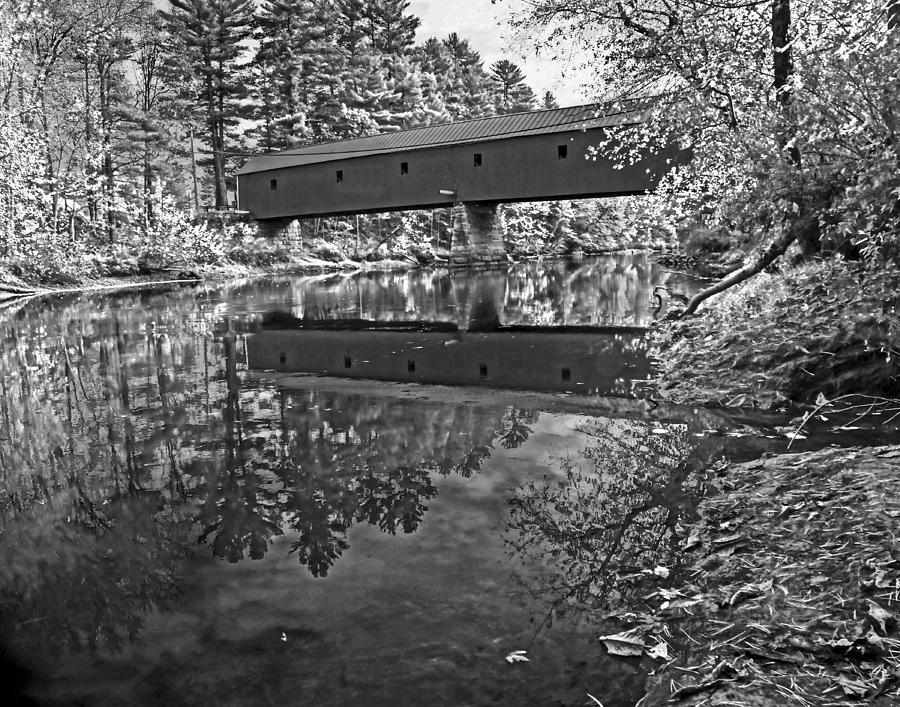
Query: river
point(182, 525)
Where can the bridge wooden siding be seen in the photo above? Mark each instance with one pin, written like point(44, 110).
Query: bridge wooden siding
point(533, 156)
point(523, 157)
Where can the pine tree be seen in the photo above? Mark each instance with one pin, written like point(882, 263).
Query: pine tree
point(207, 48)
point(465, 82)
point(433, 65)
point(381, 86)
point(512, 94)
point(151, 117)
point(295, 64)
point(389, 29)
point(549, 100)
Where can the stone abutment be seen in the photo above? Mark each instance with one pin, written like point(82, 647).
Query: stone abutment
point(477, 235)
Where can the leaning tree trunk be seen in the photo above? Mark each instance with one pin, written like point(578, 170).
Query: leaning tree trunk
point(775, 249)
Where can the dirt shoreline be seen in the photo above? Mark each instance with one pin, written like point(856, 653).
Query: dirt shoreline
point(306, 266)
point(790, 591)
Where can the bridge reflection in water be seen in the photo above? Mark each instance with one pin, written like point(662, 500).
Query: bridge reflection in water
point(472, 337)
point(580, 359)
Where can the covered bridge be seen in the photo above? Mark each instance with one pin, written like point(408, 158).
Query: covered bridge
point(472, 164)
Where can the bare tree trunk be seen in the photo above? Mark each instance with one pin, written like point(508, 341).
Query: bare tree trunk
point(783, 69)
point(219, 157)
point(148, 191)
point(89, 137)
point(109, 180)
point(194, 173)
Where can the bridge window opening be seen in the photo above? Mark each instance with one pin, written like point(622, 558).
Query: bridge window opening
point(411, 366)
point(348, 362)
point(562, 152)
point(482, 370)
point(567, 374)
point(282, 359)
point(404, 168)
point(477, 159)
point(273, 184)
point(340, 176)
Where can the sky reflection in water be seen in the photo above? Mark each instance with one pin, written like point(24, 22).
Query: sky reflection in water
point(142, 465)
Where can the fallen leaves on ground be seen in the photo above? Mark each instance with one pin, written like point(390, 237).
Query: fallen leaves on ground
point(628, 643)
point(800, 605)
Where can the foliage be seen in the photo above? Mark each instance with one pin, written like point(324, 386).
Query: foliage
point(809, 157)
point(580, 226)
point(830, 327)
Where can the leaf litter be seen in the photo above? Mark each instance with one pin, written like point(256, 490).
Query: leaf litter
point(792, 591)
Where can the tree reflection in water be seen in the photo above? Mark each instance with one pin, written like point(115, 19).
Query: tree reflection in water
point(120, 453)
point(596, 533)
point(128, 436)
point(610, 291)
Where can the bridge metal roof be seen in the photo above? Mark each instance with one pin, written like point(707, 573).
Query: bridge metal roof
point(495, 127)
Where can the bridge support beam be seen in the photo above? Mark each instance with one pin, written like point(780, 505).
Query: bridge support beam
point(285, 231)
point(477, 235)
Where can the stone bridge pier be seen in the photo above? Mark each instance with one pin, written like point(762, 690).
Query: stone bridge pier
point(284, 231)
point(477, 235)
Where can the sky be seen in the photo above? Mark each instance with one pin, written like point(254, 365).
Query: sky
point(484, 24)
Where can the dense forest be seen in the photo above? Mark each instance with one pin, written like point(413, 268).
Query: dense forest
point(121, 122)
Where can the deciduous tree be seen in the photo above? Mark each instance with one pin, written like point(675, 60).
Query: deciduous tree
point(789, 110)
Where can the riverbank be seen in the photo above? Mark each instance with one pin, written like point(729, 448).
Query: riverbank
point(827, 328)
point(790, 592)
point(12, 287)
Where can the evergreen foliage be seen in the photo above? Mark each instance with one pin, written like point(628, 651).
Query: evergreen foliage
point(512, 94)
point(208, 37)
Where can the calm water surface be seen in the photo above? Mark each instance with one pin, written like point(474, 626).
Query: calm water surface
point(178, 529)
